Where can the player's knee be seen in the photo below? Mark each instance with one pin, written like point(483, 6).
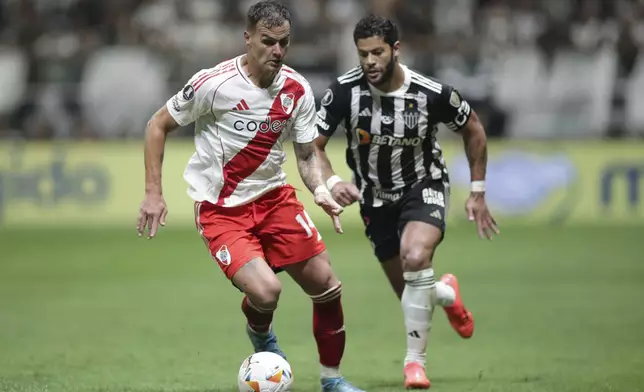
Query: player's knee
point(316, 276)
point(328, 281)
point(418, 242)
point(324, 281)
point(332, 293)
point(267, 294)
point(416, 258)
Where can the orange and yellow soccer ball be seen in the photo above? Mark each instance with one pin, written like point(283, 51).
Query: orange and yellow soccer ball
point(265, 372)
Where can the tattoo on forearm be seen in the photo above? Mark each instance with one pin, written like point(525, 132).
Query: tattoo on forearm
point(476, 152)
point(308, 165)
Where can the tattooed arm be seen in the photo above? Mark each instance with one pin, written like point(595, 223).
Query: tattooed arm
point(456, 113)
point(307, 161)
point(311, 174)
point(475, 143)
point(308, 166)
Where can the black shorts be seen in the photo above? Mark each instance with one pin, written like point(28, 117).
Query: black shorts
point(426, 202)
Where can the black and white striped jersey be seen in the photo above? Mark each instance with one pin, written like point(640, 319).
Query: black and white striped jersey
point(391, 136)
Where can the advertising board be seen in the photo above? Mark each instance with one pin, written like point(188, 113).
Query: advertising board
point(102, 183)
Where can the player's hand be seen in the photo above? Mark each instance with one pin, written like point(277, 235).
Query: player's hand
point(324, 199)
point(345, 193)
point(152, 214)
point(478, 212)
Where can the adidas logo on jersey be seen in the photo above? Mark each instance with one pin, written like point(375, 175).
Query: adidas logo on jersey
point(242, 105)
point(366, 112)
point(436, 214)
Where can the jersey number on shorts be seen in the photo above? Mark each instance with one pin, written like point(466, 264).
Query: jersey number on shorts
point(307, 224)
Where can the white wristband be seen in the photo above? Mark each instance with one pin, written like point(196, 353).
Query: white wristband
point(478, 186)
point(332, 181)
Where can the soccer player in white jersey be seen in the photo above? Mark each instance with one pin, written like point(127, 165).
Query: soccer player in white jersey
point(244, 109)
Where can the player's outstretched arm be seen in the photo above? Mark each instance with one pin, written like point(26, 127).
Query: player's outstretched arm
point(319, 146)
point(153, 210)
point(311, 174)
point(343, 192)
point(334, 108)
point(475, 143)
point(308, 165)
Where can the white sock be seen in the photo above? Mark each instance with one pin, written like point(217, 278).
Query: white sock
point(445, 294)
point(417, 302)
point(329, 372)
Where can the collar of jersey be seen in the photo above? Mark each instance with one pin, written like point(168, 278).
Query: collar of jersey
point(244, 75)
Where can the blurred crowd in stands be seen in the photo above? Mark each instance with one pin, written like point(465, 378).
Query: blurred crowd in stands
point(531, 68)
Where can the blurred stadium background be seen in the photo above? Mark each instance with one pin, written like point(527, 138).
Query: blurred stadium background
point(87, 306)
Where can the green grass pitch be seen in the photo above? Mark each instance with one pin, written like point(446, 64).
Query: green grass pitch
point(556, 309)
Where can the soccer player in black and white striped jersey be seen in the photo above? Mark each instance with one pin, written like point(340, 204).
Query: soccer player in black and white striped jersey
point(390, 114)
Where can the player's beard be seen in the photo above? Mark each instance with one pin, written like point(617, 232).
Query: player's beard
point(388, 73)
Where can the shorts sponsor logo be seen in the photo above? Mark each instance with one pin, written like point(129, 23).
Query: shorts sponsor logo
point(386, 195)
point(434, 197)
point(223, 256)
